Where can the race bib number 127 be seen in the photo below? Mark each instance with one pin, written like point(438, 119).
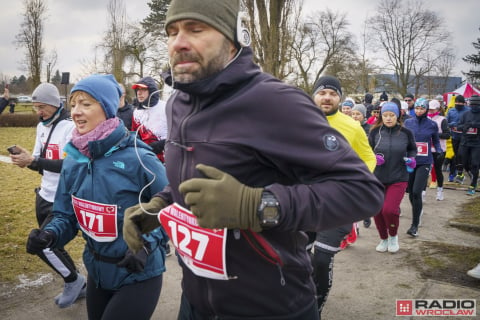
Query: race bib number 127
point(202, 250)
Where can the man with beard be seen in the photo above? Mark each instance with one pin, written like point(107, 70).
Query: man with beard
point(252, 164)
point(327, 243)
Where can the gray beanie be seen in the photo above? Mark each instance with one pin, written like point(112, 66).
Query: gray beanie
point(47, 93)
point(360, 108)
point(220, 14)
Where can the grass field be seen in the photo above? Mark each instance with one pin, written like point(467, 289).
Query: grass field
point(17, 211)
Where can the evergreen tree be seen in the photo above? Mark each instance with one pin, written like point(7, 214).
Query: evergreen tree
point(154, 23)
point(57, 78)
point(474, 59)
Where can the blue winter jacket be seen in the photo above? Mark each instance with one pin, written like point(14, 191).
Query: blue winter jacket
point(115, 176)
point(453, 117)
point(424, 130)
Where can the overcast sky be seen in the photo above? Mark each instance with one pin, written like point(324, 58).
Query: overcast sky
point(74, 27)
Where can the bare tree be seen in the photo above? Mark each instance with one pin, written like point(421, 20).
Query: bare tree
point(30, 37)
point(271, 28)
point(322, 41)
point(147, 53)
point(407, 33)
point(51, 62)
point(444, 66)
point(115, 40)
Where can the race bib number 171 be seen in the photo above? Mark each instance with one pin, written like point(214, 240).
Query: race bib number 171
point(202, 250)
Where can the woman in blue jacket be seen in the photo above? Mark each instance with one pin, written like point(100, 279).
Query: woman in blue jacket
point(106, 171)
point(426, 134)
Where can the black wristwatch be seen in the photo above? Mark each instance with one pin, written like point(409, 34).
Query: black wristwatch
point(268, 211)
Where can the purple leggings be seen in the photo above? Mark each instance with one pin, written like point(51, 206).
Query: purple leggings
point(387, 220)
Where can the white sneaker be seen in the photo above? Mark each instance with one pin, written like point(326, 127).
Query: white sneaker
point(393, 244)
point(420, 218)
point(382, 246)
point(439, 194)
point(475, 272)
point(71, 291)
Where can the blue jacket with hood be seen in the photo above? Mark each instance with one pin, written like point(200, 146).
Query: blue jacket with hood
point(113, 175)
point(424, 130)
point(453, 117)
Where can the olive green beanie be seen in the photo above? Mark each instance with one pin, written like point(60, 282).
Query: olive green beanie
point(220, 14)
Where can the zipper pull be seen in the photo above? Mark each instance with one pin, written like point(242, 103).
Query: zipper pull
point(190, 149)
point(236, 234)
point(282, 278)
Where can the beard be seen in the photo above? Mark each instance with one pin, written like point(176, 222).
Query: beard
point(206, 68)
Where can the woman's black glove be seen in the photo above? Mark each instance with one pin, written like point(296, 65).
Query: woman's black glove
point(135, 263)
point(38, 240)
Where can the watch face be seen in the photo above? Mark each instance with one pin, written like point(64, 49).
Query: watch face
point(270, 213)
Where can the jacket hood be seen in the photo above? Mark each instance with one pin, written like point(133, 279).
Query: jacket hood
point(154, 94)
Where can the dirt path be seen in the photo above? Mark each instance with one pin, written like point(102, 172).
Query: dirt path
point(366, 283)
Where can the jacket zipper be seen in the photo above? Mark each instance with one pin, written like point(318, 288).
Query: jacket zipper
point(186, 149)
point(265, 250)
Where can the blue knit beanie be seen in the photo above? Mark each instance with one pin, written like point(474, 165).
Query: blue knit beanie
point(103, 88)
point(392, 107)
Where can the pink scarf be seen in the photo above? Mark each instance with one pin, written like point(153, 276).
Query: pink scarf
point(100, 132)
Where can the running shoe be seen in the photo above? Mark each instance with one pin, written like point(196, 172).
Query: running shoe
point(471, 191)
point(382, 246)
point(451, 177)
point(460, 178)
point(367, 222)
point(475, 272)
point(413, 231)
point(393, 244)
point(439, 194)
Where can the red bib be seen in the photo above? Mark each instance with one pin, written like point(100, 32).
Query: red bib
point(422, 149)
point(97, 220)
point(202, 250)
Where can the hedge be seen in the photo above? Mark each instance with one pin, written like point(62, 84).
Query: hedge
point(19, 120)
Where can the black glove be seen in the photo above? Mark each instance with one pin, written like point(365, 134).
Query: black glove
point(158, 146)
point(38, 240)
point(135, 263)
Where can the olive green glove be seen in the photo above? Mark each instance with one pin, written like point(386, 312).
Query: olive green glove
point(136, 222)
point(220, 201)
